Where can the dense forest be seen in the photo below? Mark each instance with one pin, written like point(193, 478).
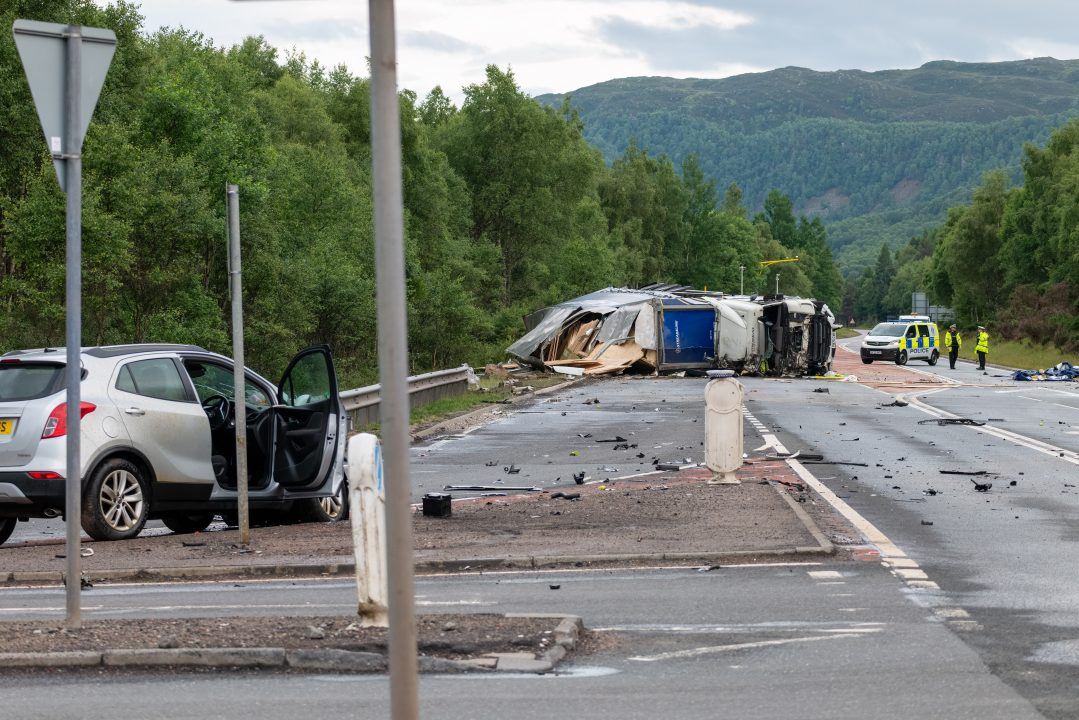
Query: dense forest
point(1009, 257)
point(880, 156)
point(508, 207)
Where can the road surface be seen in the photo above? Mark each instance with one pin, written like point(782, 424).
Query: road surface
point(990, 632)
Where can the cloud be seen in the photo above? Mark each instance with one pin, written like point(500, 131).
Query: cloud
point(567, 44)
point(680, 15)
point(317, 29)
point(439, 42)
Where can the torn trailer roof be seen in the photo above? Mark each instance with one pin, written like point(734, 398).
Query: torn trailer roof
point(667, 328)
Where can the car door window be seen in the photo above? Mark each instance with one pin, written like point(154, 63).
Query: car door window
point(213, 379)
point(912, 331)
point(308, 382)
point(156, 378)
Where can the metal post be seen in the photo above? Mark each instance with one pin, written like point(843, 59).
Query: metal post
point(393, 357)
point(232, 192)
point(741, 279)
point(777, 283)
point(73, 321)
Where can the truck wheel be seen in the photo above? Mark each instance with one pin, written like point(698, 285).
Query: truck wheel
point(901, 357)
point(933, 358)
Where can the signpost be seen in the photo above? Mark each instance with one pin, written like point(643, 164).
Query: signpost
point(66, 67)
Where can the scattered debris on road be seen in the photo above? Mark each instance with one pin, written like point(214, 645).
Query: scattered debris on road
point(896, 403)
point(437, 505)
point(834, 462)
point(499, 488)
point(982, 487)
point(966, 472)
point(951, 421)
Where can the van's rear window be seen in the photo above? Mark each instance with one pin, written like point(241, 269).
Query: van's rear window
point(29, 381)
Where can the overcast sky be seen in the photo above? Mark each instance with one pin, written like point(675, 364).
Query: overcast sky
point(561, 45)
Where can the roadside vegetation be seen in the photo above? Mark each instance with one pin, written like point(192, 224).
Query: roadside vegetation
point(1007, 260)
point(1020, 354)
point(508, 208)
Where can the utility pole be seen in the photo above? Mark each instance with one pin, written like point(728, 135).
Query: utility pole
point(65, 86)
point(232, 194)
point(393, 357)
point(741, 279)
point(777, 282)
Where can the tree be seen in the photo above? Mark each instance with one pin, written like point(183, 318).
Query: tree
point(732, 201)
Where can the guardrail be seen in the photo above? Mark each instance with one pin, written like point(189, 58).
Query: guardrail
point(362, 404)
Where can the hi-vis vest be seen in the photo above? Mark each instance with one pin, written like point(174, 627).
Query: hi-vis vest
point(948, 340)
point(983, 342)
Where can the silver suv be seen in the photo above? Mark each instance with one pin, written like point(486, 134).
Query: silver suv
point(158, 438)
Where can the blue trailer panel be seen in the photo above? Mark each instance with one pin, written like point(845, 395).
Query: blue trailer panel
point(689, 335)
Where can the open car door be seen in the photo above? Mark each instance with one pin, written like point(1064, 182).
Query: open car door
point(306, 421)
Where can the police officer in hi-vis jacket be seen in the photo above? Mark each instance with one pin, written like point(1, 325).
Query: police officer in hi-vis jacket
point(952, 341)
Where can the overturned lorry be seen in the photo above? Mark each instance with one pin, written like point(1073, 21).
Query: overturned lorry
point(669, 328)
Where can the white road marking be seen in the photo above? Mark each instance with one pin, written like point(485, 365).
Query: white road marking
point(825, 574)
point(1012, 437)
point(713, 649)
point(892, 557)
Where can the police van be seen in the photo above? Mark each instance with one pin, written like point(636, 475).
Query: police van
point(911, 337)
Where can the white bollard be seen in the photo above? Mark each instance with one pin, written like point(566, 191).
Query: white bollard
point(723, 427)
point(367, 511)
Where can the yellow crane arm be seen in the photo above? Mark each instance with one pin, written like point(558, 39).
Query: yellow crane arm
point(769, 263)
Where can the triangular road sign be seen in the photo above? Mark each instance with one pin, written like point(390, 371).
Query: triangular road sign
point(43, 49)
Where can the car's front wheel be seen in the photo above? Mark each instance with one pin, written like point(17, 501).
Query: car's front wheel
point(901, 357)
point(183, 523)
point(867, 361)
point(7, 526)
point(115, 502)
point(933, 358)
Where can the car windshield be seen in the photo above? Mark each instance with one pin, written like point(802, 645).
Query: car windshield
point(889, 329)
point(29, 381)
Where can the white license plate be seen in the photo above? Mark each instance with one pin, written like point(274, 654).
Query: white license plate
point(874, 352)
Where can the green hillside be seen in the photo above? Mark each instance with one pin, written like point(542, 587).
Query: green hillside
point(878, 155)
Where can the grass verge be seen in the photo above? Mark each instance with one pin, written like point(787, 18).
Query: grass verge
point(1018, 354)
point(846, 332)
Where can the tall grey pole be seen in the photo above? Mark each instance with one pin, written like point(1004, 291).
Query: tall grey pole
point(73, 321)
point(232, 192)
point(393, 357)
point(741, 279)
point(777, 282)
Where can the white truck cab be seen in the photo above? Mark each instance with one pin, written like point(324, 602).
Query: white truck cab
point(911, 337)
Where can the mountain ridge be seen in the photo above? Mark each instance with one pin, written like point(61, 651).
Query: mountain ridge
point(871, 152)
